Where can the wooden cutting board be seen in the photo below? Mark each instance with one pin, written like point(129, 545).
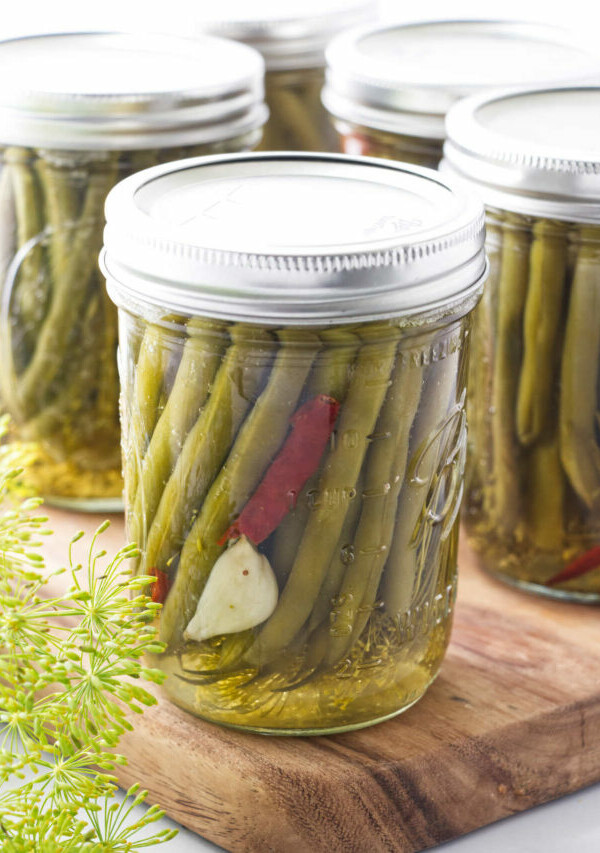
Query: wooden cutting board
point(512, 721)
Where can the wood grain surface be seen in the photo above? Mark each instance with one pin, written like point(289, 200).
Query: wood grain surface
point(513, 720)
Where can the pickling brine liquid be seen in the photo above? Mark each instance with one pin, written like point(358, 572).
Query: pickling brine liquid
point(532, 507)
point(295, 495)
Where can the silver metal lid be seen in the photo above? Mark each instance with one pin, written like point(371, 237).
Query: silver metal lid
point(535, 152)
point(121, 91)
point(289, 33)
point(298, 239)
point(403, 78)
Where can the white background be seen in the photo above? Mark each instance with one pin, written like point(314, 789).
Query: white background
point(18, 17)
point(570, 824)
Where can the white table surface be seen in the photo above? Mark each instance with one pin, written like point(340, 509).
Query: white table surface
point(571, 823)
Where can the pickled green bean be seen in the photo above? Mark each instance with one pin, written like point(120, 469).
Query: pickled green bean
point(356, 421)
point(291, 126)
point(147, 385)
point(29, 303)
point(61, 205)
point(542, 329)
point(258, 440)
point(331, 372)
point(207, 444)
point(50, 419)
point(481, 372)
point(8, 241)
point(298, 120)
point(386, 467)
point(195, 374)
point(68, 294)
point(545, 495)
point(578, 407)
point(512, 291)
point(345, 552)
point(330, 375)
point(8, 237)
point(406, 562)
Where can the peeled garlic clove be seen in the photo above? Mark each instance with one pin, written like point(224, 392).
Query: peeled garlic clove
point(241, 592)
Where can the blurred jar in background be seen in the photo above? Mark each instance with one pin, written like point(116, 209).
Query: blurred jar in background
point(79, 112)
point(292, 36)
point(389, 86)
point(532, 500)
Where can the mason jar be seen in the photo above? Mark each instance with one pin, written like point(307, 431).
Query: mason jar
point(533, 495)
point(78, 113)
point(389, 86)
point(291, 36)
point(293, 404)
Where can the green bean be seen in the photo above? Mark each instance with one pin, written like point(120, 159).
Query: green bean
point(542, 328)
point(356, 421)
point(579, 374)
point(29, 218)
point(289, 531)
point(8, 239)
point(8, 236)
point(481, 371)
point(406, 560)
point(331, 372)
point(64, 408)
point(512, 290)
point(147, 386)
point(298, 120)
point(545, 502)
point(208, 442)
point(68, 294)
point(28, 297)
point(257, 442)
point(196, 371)
point(344, 552)
point(145, 159)
point(330, 375)
point(291, 126)
point(386, 468)
point(61, 204)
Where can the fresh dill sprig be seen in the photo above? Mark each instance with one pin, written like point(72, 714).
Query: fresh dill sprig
point(71, 670)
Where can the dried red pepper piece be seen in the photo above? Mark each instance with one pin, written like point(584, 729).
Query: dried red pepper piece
point(299, 457)
point(159, 589)
point(580, 566)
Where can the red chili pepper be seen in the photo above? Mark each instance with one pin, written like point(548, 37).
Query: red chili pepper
point(296, 461)
point(580, 566)
point(160, 587)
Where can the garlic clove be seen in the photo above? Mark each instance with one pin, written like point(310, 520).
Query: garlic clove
point(241, 592)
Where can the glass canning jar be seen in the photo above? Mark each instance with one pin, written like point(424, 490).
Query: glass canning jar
point(77, 113)
point(389, 86)
point(291, 36)
point(533, 495)
point(293, 394)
